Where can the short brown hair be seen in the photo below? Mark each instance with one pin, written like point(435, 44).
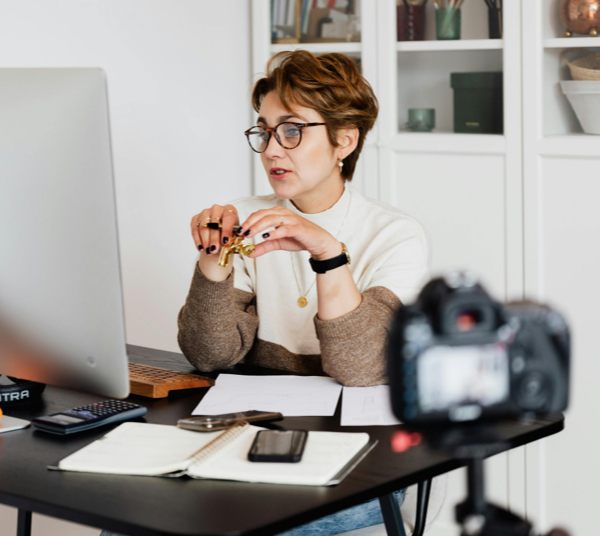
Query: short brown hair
point(331, 84)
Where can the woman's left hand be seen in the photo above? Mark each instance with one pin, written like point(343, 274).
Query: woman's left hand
point(285, 230)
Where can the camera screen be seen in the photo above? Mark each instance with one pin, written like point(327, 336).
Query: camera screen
point(450, 376)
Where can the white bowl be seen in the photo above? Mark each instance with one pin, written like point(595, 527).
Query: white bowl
point(584, 96)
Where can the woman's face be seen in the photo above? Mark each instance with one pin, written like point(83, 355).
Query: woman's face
point(309, 174)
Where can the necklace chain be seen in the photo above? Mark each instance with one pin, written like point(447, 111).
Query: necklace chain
point(302, 300)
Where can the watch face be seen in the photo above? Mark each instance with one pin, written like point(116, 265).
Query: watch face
point(345, 250)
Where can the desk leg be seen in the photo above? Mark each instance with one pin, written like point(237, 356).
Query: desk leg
point(391, 515)
point(423, 489)
point(23, 523)
point(393, 518)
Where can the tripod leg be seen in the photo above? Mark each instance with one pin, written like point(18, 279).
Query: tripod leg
point(391, 515)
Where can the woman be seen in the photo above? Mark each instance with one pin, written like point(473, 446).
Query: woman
point(272, 308)
point(298, 303)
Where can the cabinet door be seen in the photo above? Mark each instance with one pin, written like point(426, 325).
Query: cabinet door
point(563, 263)
point(461, 203)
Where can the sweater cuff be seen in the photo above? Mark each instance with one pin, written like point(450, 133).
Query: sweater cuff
point(375, 302)
point(206, 289)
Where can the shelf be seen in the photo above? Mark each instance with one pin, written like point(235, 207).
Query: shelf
point(580, 145)
point(319, 48)
point(572, 42)
point(442, 46)
point(449, 142)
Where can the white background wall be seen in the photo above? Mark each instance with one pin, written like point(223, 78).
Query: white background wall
point(179, 83)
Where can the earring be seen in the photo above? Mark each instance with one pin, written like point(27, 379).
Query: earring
point(341, 164)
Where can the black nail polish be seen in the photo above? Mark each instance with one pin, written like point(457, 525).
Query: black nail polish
point(237, 230)
point(212, 248)
point(266, 235)
point(246, 233)
point(225, 239)
point(200, 247)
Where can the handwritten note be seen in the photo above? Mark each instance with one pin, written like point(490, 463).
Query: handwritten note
point(290, 395)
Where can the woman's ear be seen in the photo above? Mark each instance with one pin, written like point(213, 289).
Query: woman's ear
point(347, 139)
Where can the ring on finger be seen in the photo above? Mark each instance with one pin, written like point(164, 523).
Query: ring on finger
point(212, 223)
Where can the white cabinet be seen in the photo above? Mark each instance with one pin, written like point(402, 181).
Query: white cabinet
point(561, 172)
point(517, 208)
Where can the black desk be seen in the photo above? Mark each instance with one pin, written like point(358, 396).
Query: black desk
point(157, 506)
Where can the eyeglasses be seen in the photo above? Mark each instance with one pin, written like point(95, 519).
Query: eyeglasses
point(287, 134)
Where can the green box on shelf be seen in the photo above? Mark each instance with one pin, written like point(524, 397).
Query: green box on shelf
point(477, 102)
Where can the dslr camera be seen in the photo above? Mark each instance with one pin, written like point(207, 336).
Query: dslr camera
point(456, 356)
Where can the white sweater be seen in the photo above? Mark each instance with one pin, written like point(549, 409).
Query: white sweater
point(254, 316)
point(387, 249)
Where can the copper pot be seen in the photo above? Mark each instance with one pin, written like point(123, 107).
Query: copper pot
point(581, 17)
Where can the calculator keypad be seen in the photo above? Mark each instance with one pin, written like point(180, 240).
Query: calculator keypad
point(106, 408)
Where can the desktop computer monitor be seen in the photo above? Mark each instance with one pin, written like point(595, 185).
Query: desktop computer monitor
point(61, 310)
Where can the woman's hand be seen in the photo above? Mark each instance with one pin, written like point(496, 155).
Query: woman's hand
point(211, 229)
point(283, 229)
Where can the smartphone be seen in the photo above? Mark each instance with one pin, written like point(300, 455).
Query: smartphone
point(211, 423)
point(278, 446)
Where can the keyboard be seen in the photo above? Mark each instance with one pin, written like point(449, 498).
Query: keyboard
point(155, 382)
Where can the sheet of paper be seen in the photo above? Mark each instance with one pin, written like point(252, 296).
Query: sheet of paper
point(290, 395)
point(8, 424)
point(367, 406)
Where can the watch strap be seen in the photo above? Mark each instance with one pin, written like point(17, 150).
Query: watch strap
point(322, 266)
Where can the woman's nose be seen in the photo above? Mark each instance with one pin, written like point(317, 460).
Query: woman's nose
point(273, 150)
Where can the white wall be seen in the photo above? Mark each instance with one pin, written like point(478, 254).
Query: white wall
point(178, 88)
point(178, 81)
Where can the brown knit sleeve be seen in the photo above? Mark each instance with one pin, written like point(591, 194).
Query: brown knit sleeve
point(217, 324)
point(353, 345)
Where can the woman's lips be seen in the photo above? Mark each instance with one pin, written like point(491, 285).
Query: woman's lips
point(279, 173)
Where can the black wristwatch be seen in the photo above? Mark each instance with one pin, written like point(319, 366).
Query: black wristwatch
point(329, 264)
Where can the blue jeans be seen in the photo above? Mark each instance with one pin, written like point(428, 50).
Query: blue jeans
point(357, 517)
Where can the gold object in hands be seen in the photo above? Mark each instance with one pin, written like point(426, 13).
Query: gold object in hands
point(235, 246)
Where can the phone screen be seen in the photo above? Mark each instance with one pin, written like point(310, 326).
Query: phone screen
point(278, 446)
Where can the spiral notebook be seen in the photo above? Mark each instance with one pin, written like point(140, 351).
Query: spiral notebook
point(135, 448)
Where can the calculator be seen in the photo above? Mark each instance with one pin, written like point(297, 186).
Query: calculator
point(88, 417)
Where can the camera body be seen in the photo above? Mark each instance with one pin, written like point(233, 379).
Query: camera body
point(456, 355)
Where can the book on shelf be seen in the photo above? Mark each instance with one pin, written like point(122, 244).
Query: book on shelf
point(144, 449)
point(294, 21)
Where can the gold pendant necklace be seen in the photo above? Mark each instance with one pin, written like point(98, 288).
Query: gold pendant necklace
point(302, 300)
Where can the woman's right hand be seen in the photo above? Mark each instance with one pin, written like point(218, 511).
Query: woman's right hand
point(211, 229)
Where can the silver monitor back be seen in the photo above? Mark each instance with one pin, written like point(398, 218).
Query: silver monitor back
point(61, 310)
